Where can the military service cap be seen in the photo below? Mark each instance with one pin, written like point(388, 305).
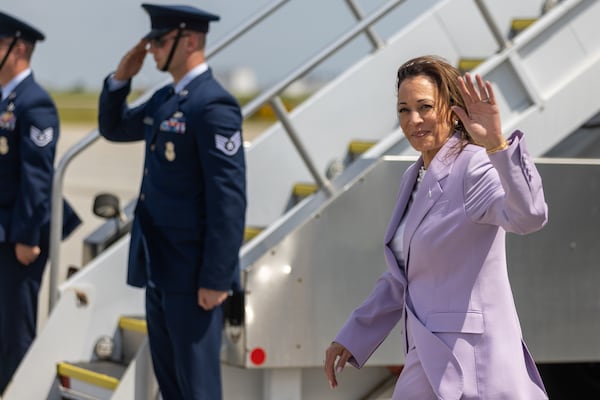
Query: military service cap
point(12, 27)
point(164, 19)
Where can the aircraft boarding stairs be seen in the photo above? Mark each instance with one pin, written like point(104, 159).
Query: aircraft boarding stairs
point(307, 248)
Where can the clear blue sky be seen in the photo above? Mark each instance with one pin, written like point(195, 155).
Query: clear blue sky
point(86, 38)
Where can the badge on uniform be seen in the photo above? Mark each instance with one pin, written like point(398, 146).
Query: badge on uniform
point(175, 124)
point(3, 146)
point(229, 145)
point(41, 137)
point(8, 120)
point(170, 151)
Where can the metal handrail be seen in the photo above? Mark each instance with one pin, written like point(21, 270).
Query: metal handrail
point(282, 115)
point(496, 32)
point(276, 89)
point(373, 38)
point(57, 211)
point(252, 22)
point(94, 135)
point(57, 200)
point(271, 96)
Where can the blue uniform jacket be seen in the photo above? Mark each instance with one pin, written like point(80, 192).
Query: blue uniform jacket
point(190, 215)
point(29, 132)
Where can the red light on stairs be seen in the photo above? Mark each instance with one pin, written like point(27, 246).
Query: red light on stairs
point(258, 356)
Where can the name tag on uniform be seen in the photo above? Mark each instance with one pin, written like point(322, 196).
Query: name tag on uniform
point(175, 124)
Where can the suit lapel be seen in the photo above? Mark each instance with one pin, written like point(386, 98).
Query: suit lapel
point(404, 193)
point(426, 196)
point(430, 190)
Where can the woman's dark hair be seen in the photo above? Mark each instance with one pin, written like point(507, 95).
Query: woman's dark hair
point(446, 78)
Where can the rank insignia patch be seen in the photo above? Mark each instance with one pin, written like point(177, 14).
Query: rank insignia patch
point(41, 137)
point(230, 145)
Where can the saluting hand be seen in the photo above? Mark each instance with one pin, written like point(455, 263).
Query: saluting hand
point(209, 299)
point(26, 254)
point(132, 62)
point(481, 119)
point(335, 352)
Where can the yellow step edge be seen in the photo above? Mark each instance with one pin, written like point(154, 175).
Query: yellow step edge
point(133, 324)
point(91, 377)
point(251, 232)
point(519, 24)
point(359, 146)
point(304, 189)
point(468, 64)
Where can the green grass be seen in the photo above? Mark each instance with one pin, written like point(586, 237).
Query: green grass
point(76, 107)
point(80, 107)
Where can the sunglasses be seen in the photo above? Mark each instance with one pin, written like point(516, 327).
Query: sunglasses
point(161, 41)
point(5, 42)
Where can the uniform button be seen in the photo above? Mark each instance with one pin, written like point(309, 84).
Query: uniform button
point(142, 197)
point(152, 147)
point(145, 171)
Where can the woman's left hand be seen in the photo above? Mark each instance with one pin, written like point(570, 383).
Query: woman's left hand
point(481, 119)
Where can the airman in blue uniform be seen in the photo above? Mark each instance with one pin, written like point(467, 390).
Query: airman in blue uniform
point(190, 214)
point(28, 136)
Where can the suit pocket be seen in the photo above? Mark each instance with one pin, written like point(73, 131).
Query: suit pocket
point(461, 332)
point(463, 322)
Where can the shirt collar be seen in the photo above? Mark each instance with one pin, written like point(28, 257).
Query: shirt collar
point(194, 72)
point(10, 86)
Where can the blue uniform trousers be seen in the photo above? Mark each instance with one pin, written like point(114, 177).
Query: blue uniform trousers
point(185, 343)
point(19, 290)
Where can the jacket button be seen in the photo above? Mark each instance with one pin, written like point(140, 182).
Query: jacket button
point(145, 171)
point(142, 197)
point(152, 147)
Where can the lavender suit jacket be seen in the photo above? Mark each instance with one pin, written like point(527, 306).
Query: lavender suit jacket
point(455, 288)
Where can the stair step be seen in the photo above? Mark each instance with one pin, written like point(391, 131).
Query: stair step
point(302, 190)
point(358, 147)
point(133, 323)
point(133, 332)
point(97, 379)
point(520, 24)
point(94, 379)
point(469, 64)
point(251, 232)
point(355, 149)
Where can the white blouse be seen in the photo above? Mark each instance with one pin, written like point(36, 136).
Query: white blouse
point(398, 239)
